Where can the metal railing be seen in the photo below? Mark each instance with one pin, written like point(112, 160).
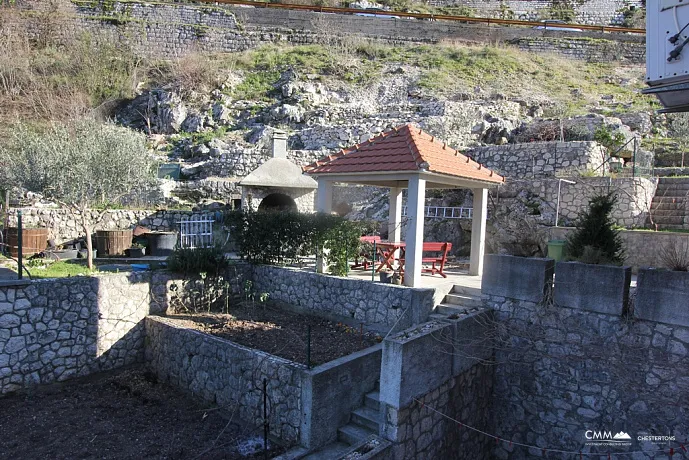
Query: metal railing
point(196, 233)
point(444, 212)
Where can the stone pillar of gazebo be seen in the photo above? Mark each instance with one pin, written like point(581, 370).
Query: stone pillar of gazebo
point(416, 200)
point(324, 204)
point(395, 217)
point(478, 231)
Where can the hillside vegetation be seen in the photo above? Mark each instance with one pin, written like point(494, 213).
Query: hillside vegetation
point(49, 81)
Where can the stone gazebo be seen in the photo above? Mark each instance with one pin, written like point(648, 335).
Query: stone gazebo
point(407, 157)
point(278, 184)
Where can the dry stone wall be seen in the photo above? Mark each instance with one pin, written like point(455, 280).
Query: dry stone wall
point(541, 159)
point(226, 374)
point(379, 306)
point(172, 30)
point(587, 12)
point(634, 196)
point(54, 330)
point(64, 226)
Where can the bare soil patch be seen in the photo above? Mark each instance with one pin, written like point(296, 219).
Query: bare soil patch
point(126, 414)
point(281, 332)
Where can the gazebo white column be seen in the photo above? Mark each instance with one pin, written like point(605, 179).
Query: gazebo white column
point(324, 196)
point(414, 241)
point(395, 217)
point(324, 203)
point(478, 231)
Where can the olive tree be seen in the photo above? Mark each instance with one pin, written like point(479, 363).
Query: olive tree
point(83, 166)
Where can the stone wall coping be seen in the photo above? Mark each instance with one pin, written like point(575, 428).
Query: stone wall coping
point(16, 282)
point(325, 367)
point(415, 332)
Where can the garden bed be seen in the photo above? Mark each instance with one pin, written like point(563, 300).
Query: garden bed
point(126, 414)
point(281, 332)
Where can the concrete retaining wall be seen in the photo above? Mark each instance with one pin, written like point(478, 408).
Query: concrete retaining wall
point(597, 288)
point(54, 330)
point(379, 306)
point(517, 277)
point(332, 390)
point(663, 296)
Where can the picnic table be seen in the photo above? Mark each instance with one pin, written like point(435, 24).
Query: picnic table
point(366, 258)
point(386, 252)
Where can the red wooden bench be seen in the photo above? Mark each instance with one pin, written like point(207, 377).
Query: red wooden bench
point(367, 258)
point(441, 250)
point(438, 260)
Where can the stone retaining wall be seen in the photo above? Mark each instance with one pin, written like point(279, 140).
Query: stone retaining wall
point(599, 12)
point(64, 226)
point(54, 330)
point(560, 371)
point(541, 159)
point(634, 197)
point(229, 375)
point(172, 30)
point(379, 306)
point(420, 396)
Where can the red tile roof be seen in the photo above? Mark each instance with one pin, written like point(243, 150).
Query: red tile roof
point(405, 148)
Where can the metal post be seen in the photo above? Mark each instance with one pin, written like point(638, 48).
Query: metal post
point(373, 262)
point(634, 158)
point(265, 419)
point(308, 347)
point(20, 243)
point(557, 208)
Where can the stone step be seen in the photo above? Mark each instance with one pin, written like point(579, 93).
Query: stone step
point(667, 213)
point(466, 290)
point(366, 417)
point(450, 309)
point(668, 220)
point(334, 450)
point(463, 300)
point(436, 316)
point(372, 400)
point(352, 434)
point(668, 205)
point(673, 227)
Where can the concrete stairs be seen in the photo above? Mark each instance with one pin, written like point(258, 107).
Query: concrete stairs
point(669, 205)
point(460, 301)
point(364, 422)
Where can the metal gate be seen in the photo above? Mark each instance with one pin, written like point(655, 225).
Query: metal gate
point(196, 232)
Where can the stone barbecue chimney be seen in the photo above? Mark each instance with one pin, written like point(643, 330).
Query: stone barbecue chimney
point(279, 144)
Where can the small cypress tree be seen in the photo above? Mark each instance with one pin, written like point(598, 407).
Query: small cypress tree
point(595, 239)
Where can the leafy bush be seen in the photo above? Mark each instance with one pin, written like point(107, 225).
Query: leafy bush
point(285, 237)
point(596, 240)
point(211, 261)
point(611, 140)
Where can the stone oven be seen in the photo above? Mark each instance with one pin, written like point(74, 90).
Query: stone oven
point(278, 184)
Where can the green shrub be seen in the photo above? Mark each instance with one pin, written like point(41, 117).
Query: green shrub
point(596, 240)
point(285, 237)
point(211, 261)
point(611, 140)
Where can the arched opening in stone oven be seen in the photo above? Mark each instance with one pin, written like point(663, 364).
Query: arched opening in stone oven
point(277, 202)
